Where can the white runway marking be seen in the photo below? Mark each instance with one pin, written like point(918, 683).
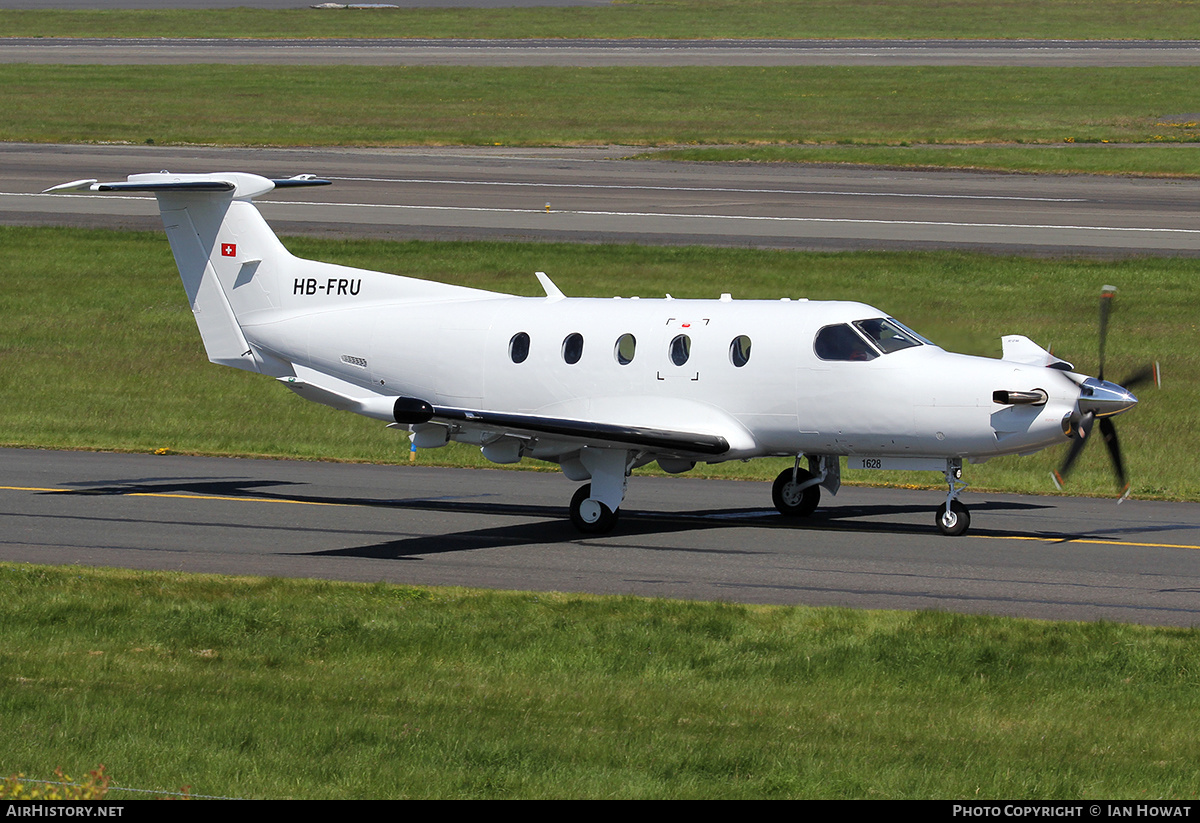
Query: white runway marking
point(666, 215)
point(815, 192)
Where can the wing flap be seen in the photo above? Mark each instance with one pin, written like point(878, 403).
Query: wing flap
point(589, 431)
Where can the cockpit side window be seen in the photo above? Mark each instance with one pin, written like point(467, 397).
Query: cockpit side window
point(888, 335)
point(841, 342)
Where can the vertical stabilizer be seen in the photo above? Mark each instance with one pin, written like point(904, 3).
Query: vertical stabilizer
point(227, 255)
point(239, 277)
point(194, 248)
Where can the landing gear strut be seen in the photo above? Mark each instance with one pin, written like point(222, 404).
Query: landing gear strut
point(796, 492)
point(594, 505)
point(589, 515)
point(953, 518)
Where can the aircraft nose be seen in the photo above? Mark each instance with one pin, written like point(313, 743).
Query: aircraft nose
point(1104, 399)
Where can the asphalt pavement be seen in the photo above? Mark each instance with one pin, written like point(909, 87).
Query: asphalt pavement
point(1058, 558)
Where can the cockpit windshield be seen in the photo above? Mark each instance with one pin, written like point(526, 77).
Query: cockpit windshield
point(888, 335)
point(842, 342)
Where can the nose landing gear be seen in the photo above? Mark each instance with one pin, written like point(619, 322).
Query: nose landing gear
point(953, 518)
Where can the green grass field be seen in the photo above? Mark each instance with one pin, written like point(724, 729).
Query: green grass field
point(70, 294)
point(305, 106)
point(309, 689)
point(272, 688)
point(1054, 19)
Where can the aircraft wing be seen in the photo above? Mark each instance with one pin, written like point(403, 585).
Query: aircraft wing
point(676, 427)
point(668, 426)
point(589, 432)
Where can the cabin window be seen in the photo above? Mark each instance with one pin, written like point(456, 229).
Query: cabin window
point(888, 335)
point(518, 347)
point(842, 343)
point(625, 348)
point(681, 349)
point(739, 351)
point(572, 347)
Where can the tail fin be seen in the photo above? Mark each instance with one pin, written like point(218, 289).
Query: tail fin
point(236, 272)
point(230, 261)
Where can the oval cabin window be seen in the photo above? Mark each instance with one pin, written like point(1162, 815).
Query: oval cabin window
point(681, 349)
point(518, 347)
point(625, 348)
point(739, 351)
point(572, 347)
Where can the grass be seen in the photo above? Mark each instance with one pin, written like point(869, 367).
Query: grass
point(291, 105)
point(242, 687)
point(100, 350)
point(1054, 19)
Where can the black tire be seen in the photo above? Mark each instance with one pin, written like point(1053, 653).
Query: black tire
point(602, 525)
point(954, 522)
point(789, 501)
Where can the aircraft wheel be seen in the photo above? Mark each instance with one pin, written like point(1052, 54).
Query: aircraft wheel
point(591, 516)
point(954, 521)
point(790, 499)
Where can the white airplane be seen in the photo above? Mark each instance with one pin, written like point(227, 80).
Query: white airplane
point(603, 386)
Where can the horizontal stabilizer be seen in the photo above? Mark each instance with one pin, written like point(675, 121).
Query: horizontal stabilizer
point(242, 185)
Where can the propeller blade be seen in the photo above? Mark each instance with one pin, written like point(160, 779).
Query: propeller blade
point(1114, 451)
point(1081, 438)
point(1144, 375)
point(1106, 298)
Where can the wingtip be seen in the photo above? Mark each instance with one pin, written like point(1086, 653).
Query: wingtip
point(74, 185)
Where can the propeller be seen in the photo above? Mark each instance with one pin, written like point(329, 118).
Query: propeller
point(1100, 399)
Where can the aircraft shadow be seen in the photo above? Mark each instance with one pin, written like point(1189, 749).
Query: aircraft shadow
point(550, 524)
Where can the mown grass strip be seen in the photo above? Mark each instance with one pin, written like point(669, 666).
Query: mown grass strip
point(243, 687)
point(100, 350)
point(1062, 19)
point(388, 106)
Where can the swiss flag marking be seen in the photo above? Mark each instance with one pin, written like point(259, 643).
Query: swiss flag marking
point(229, 249)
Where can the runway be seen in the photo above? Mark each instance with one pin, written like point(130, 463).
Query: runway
point(593, 195)
point(594, 53)
point(1055, 558)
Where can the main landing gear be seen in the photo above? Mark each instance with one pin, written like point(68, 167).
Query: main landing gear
point(594, 507)
point(589, 515)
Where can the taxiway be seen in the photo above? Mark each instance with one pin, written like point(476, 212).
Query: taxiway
point(1049, 557)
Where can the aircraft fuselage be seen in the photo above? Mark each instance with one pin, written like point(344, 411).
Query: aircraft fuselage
point(580, 352)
